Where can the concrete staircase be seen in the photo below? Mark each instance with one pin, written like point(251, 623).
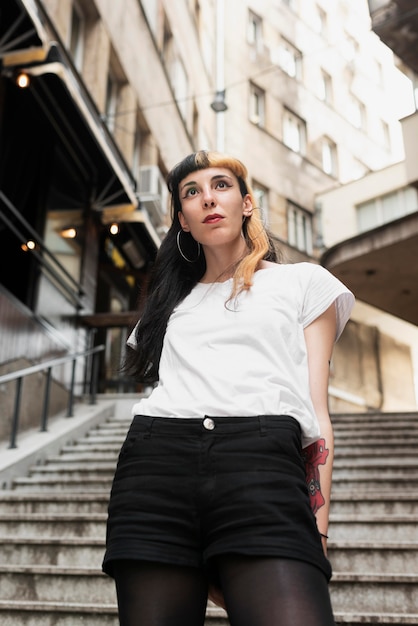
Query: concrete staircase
point(52, 526)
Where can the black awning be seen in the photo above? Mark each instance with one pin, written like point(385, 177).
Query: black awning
point(69, 108)
point(23, 38)
point(64, 100)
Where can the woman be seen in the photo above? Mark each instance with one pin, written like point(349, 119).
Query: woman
point(223, 482)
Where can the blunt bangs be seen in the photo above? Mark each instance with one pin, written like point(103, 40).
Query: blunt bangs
point(203, 160)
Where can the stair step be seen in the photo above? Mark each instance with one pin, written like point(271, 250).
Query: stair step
point(360, 557)
point(21, 613)
point(376, 619)
point(64, 552)
point(29, 483)
point(16, 502)
point(56, 584)
point(109, 448)
point(76, 471)
point(372, 481)
point(386, 593)
point(374, 502)
point(52, 529)
point(367, 439)
point(367, 592)
point(391, 528)
point(25, 613)
point(39, 525)
point(375, 418)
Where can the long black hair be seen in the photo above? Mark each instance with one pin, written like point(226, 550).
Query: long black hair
point(174, 276)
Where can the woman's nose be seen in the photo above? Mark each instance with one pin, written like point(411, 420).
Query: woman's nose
point(208, 199)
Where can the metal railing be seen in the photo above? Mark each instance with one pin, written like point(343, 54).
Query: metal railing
point(44, 257)
point(47, 366)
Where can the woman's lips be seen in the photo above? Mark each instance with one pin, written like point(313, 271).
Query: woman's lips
point(212, 219)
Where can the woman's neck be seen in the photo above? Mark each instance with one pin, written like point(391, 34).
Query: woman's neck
point(222, 263)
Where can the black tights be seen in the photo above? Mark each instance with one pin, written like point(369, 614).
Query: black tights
point(257, 592)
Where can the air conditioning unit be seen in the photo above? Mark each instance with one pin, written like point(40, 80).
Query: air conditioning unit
point(153, 192)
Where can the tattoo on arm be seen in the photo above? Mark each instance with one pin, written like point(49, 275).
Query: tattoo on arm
point(314, 455)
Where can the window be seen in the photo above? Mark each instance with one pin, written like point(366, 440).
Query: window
point(76, 36)
point(325, 87)
point(255, 31)
point(376, 70)
point(329, 157)
point(356, 113)
point(151, 11)
point(320, 21)
point(257, 105)
point(294, 132)
point(384, 133)
point(167, 46)
point(140, 152)
point(349, 47)
point(299, 228)
point(292, 4)
point(289, 59)
point(175, 71)
point(386, 208)
point(261, 197)
point(112, 97)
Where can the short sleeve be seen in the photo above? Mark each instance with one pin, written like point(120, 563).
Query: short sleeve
point(321, 289)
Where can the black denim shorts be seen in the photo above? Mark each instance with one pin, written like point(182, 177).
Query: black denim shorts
point(187, 490)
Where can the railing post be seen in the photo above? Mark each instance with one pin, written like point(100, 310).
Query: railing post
point(15, 423)
point(46, 401)
point(94, 377)
point(71, 394)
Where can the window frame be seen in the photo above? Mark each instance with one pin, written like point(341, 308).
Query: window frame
point(299, 228)
point(76, 47)
point(295, 123)
point(257, 106)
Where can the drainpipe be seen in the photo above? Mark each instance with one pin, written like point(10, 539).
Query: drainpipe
point(220, 73)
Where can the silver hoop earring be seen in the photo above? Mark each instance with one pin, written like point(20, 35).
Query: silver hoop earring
point(181, 251)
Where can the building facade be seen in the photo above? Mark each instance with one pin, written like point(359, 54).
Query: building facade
point(99, 99)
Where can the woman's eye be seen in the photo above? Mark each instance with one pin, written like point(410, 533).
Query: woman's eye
point(222, 184)
point(191, 192)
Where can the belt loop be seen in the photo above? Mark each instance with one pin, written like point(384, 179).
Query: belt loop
point(149, 429)
point(263, 425)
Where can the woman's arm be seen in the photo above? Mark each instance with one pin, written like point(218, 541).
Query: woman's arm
point(319, 456)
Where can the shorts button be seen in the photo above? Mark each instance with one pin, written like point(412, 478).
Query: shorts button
point(208, 423)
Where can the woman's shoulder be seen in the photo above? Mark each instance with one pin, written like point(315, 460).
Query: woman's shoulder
point(300, 268)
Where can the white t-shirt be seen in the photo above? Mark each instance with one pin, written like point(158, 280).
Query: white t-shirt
point(248, 356)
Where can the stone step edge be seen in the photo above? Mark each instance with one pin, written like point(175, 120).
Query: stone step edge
point(356, 518)
point(62, 496)
point(59, 541)
point(212, 611)
point(90, 464)
point(103, 495)
point(61, 607)
point(100, 541)
point(337, 577)
point(354, 619)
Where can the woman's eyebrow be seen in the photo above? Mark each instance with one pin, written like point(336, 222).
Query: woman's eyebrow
point(217, 176)
point(191, 182)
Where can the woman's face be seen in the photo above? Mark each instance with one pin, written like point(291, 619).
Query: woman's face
point(212, 206)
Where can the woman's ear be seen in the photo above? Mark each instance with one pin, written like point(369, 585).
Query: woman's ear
point(247, 206)
point(183, 222)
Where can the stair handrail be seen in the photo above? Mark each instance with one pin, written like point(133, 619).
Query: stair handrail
point(73, 290)
point(19, 375)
